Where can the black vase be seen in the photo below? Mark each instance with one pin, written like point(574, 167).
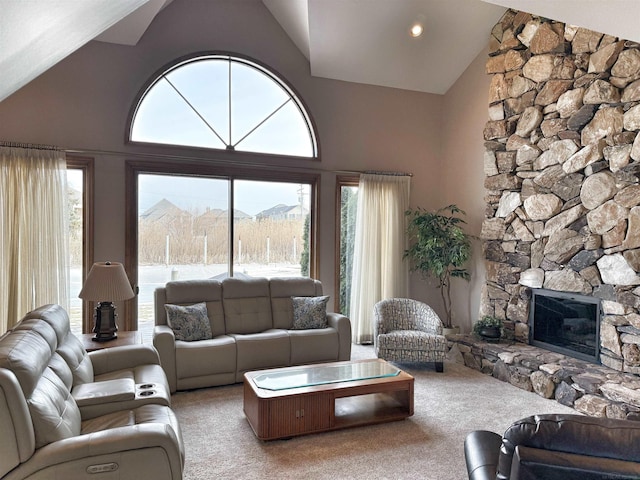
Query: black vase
point(490, 332)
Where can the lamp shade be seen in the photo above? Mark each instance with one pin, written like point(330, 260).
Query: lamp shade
point(106, 281)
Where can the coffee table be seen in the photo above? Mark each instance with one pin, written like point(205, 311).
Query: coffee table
point(285, 402)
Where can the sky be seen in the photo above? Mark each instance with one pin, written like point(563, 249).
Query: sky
point(197, 193)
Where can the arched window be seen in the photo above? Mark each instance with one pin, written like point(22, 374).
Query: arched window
point(223, 102)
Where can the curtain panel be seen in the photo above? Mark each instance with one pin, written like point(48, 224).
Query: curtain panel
point(379, 271)
point(33, 231)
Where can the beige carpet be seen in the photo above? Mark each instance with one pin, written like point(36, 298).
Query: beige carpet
point(429, 445)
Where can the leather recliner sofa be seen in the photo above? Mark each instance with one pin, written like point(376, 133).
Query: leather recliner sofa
point(556, 447)
point(252, 326)
point(66, 413)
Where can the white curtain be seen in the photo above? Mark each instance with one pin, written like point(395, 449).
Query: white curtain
point(379, 270)
point(33, 231)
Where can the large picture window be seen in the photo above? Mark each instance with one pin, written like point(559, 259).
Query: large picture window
point(194, 222)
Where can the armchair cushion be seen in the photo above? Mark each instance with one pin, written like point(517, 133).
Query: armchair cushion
point(408, 340)
point(309, 312)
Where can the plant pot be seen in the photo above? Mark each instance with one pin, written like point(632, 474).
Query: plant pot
point(490, 332)
point(450, 331)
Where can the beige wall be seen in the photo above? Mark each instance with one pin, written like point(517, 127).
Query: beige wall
point(84, 101)
point(465, 108)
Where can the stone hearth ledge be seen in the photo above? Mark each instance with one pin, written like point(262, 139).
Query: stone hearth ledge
point(592, 389)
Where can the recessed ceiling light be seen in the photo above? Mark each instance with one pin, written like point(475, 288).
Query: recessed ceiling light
point(416, 30)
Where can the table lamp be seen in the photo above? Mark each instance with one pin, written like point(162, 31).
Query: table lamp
point(106, 280)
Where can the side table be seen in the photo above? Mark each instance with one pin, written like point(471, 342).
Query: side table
point(124, 338)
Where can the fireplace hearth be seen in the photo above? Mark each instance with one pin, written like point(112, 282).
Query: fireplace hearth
point(566, 323)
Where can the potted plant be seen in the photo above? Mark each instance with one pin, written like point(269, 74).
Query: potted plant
point(439, 248)
point(489, 328)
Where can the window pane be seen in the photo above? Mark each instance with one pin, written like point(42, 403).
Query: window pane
point(205, 85)
point(182, 234)
point(254, 97)
point(348, 209)
point(271, 229)
point(283, 133)
point(75, 188)
point(164, 117)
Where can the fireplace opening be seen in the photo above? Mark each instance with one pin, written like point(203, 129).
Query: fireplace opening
point(566, 323)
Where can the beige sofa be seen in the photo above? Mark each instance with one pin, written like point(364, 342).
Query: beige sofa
point(251, 323)
point(66, 413)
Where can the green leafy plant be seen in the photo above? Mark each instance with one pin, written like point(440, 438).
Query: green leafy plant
point(488, 321)
point(439, 248)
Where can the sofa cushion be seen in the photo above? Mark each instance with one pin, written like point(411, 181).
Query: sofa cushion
point(309, 312)
point(247, 305)
point(282, 289)
point(56, 316)
point(219, 352)
point(54, 412)
point(61, 369)
point(27, 355)
point(77, 358)
point(189, 322)
point(188, 292)
point(266, 349)
point(314, 346)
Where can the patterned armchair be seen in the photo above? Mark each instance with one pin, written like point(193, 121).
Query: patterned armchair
point(406, 330)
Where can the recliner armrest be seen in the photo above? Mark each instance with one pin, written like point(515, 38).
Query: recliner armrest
point(96, 393)
point(481, 452)
point(118, 358)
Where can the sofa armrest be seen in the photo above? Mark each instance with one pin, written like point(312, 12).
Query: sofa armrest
point(118, 358)
point(164, 341)
point(343, 325)
point(481, 452)
point(120, 448)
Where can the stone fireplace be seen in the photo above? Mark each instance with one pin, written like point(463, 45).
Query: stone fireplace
point(562, 177)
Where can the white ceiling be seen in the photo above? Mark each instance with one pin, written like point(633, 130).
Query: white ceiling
point(364, 41)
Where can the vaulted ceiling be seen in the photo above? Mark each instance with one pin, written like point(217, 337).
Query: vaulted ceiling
point(350, 40)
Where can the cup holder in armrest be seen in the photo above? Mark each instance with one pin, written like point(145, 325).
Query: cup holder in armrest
point(145, 390)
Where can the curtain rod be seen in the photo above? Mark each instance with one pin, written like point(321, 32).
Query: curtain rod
point(166, 156)
point(392, 174)
point(32, 146)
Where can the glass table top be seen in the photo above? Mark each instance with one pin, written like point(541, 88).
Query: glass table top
point(308, 376)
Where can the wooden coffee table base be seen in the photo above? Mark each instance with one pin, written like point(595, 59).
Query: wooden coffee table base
point(299, 411)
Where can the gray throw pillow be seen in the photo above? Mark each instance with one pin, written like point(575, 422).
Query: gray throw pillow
point(309, 312)
point(189, 322)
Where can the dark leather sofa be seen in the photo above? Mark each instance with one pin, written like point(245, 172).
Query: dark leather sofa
point(556, 447)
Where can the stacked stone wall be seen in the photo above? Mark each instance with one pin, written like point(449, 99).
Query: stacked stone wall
point(562, 170)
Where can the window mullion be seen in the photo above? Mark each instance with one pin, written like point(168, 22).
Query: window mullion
point(231, 228)
point(229, 143)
